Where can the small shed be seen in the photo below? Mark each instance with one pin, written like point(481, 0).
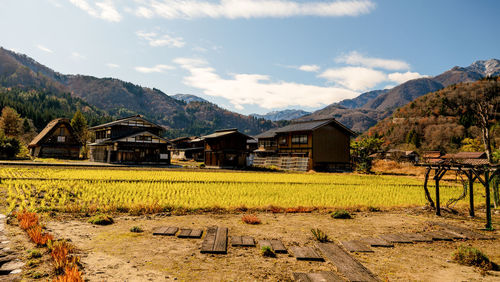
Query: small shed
point(226, 148)
point(56, 140)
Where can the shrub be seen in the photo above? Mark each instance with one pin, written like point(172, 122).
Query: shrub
point(39, 238)
point(34, 253)
point(250, 219)
point(342, 214)
point(136, 229)
point(101, 219)
point(299, 210)
point(320, 235)
point(471, 256)
point(60, 251)
point(267, 252)
point(27, 219)
point(71, 274)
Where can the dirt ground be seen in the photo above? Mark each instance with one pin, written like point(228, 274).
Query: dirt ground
point(113, 253)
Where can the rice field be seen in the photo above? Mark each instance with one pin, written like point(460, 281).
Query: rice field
point(143, 191)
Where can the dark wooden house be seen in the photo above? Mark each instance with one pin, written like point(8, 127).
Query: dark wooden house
point(56, 140)
point(226, 148)
point(187, 148)
point(324, 143)
point(133, 140)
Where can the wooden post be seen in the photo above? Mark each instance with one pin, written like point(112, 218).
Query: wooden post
point(427, 194)
point(471, 192)
point(488, 207)
point(438, 205)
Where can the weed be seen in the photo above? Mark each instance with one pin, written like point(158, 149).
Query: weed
point(319, 235)
point(71, 274)
point(38, 275)
point(373, 209)
point(27, 219)
point(267, 252)
point(33, 263)
point(101, 219)
point(342, 214)
point(60, 251)
point(34, 253)
point(471, 256)
point(136, 229)
point(299, 210)
point(39, 238)
point(250, 219)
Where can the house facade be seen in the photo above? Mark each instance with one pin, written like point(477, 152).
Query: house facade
point(323, 144)
point(187, 148)
point(226, 149)
point(56, 140)
point(130, 140)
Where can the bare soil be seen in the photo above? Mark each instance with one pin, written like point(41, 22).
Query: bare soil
point(113, 253)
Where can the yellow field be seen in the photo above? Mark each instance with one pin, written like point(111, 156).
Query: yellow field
point(90, 190)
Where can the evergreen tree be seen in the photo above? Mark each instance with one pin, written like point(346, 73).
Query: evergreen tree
point(79, 125)
point(10, 122)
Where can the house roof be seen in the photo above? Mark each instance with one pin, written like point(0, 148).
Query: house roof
point(48, 130)
point(266, 134)
point(135, 117)
point(305, 126)
point(224, 132)
point(116, 139)
point(465, 155)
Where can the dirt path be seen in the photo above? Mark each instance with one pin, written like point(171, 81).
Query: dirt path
point(114, 253)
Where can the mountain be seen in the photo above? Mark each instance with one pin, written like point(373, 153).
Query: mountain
point(282, 115)
point(369, 108)
point(120, 98)
point(188, 98)
point(441, 120)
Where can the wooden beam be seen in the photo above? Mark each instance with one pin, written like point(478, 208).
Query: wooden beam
point(438, 204)
point(471, 178)
point(488, 206)
point(427, 194)
point(478, 176)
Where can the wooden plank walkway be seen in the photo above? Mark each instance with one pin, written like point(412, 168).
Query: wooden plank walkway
point(165, 231)
point(242, 241)
point(377, 242)
point(346, 264)
point(323, 276)
point(439, 236)
point(417, 237)
point(356, 246)
point(395, 238)
point(276, 245)
point(190, 233)
point(469, 234)
point(306, 253)
point(215, 241)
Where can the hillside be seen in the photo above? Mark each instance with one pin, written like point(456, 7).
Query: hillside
point(440, 120)
point(282, 115)
point(120, 98)
point(188, 98)
point(362, 99)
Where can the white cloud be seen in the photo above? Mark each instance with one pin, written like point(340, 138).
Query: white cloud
point(309, 68)
point(404, 77)
point(104, 9)
point(256, 89)
point(157, 68)
point(77, 56)
point(356, 59)
point(113, 66)
point(157, 40)
point(354, 78)
point(233, 9)
point(55, 3)
point(43, 48)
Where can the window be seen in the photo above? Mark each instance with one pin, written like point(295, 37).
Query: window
point(61, 139)
point(61, 131)
point(299, 139)
point(283, 140)
point(143, 138)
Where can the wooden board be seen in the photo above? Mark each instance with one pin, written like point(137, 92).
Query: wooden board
point(469, 234)
point(323, 276)
point(377, 242)
point(165, 231)
point(439, 236)
point(306, 253)
point(346, 264)
point(242, 241)
point(356, 246)
point(417, 237)
point(278, 247)
point(190, 233)
point(395, 238)
point(215, 241)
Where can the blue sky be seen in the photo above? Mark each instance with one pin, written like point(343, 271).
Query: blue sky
point(254, 56)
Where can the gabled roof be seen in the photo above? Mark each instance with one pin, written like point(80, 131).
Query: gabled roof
point(465, 155)
point(120, 120)
point(121, 138)
point(224, 132)
point(305, 126)
point(49, 128)
point(266, 134)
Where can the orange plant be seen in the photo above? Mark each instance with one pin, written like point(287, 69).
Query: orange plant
point(39, 238)
point(71, 274)
point(27, 219)
point(60, 254)
point(299, 210)
point(250, 219)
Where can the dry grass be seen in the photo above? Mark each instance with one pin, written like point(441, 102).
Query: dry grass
point(27, 219)
point(71, 274)
point(38, 237)
point(251, 219)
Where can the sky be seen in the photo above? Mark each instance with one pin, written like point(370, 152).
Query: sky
point(254, 56)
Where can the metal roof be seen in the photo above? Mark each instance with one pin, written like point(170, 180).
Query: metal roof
point(220, 133)
point(266, 134)
point(124, 119)
point(312, 125)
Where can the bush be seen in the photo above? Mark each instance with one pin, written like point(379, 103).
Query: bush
point(250, 219)
point(342, 214)
point(34, 253)
point(267, 252)
point(9, 147)
point(471, 256)
point(136, 229)
point(101, 219)
point(320, 235)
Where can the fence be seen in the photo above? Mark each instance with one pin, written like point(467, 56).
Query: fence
point(283, 163)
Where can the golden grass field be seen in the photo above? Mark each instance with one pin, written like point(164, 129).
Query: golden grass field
point(148, 191)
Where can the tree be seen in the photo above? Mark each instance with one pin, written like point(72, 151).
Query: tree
point(472, 145)
point(79, 125)
point(9, 147)
point(361, 149)
point(10, 122)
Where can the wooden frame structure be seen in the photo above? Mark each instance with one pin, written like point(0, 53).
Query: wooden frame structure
point(483, 173)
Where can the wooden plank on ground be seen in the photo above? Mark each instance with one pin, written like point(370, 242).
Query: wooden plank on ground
point(190, 233)
point(417, 237)
point(278, 247)
point(215, 241)
point(346, 264)
point(306, 253)
point(439, 236)
point(469, 234)
point(242, 241)
point(323, 276)
point(395, 238)
point(356, 246)
point(377, 242)
point(165, 231)
point(454, 235)
point(265, 243)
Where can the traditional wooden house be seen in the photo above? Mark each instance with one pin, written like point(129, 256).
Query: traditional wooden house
point(226, 148)
point(322, 145)
point(132, 140)
point(187, 148)
point(56, 140)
